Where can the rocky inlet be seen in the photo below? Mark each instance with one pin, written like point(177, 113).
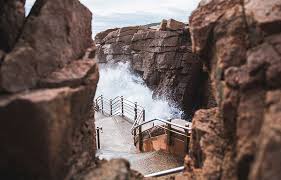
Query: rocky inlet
point(222, 68)
point(164, 59)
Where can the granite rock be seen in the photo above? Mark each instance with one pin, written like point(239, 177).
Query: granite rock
point(55, 33)
point(239, 43)
point(164, 60)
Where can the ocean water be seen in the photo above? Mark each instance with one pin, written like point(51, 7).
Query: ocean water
point(117, 80)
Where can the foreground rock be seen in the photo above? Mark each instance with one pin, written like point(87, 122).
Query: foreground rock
point(12, 15)
point(164, 60)
point(49, 40)
point(47, 85)
point(73, 74)
point(43, 130)
point(109, 170)
point(240, 45)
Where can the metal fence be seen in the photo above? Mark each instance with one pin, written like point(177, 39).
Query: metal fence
point(135, 113)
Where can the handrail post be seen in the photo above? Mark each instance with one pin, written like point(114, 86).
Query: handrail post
point(98, 137)
point(136, 111)
point(143, 115)
point(186, 140)
point(101, 97)
point(110, 107)
point(140, 140)
point(169, 134)
point(135, 133)
point(97, 106)
point(122, 106)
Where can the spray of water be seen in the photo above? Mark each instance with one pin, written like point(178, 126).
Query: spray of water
point(118, 80)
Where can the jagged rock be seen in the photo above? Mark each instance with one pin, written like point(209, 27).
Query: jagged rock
point(12, 15)
point(267, 158)
point(45, 131)
point(100, 36)
point(55, 33)
point(90, 52)
point(71, 75)
point(163, 25)
point(175, 25)
point(265, 13)
point(240, 45)
point(109, 170)
point(131, 30)
point(42, 130)
point(163, 58)
point(207, 143)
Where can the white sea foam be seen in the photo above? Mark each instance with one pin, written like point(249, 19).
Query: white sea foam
point(118, 80)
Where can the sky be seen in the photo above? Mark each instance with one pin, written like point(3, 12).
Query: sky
point(119, 13)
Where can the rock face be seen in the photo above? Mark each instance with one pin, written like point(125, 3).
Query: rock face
point(12, 15)
point(240, 44)
point(51, 25)
point(163, 58)
point(48, 82)
point(207, 143)
point(43, 130)
point(46, 130)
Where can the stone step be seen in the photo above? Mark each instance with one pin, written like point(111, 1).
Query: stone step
point(117, 142)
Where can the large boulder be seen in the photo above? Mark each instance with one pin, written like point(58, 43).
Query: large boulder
point(163, 25)
point(175, 25)
point(12, 16)
point(100, 36)
point(55, 33)
point(43, 130)
point(240, 45)
point(46, 130)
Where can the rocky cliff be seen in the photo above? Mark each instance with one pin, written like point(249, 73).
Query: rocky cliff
point(163, 58)
point(47, 89)
point(48, 79)
point(240, 44)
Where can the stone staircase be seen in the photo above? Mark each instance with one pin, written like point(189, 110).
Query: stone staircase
point(117, 142)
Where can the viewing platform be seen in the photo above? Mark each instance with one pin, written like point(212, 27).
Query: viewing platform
point(150, 146)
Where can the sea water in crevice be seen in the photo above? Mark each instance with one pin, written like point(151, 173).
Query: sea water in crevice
point(117, 80)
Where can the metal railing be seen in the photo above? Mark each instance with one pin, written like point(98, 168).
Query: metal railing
point(167, 125)
point(98, 131)
point(136, 115)
point(166, 172)
point(122, 107)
